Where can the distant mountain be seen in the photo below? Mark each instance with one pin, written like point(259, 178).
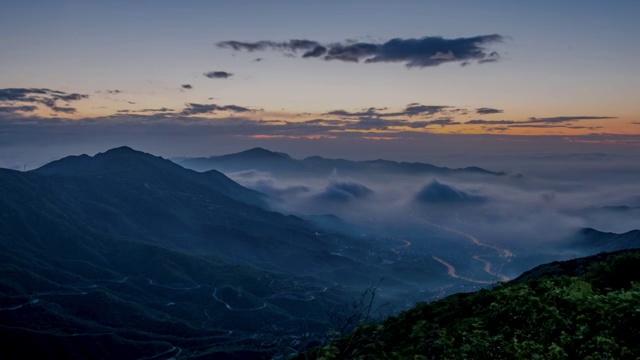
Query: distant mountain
point(265, 160)
point(579, 309)
point(126, 164)
point(343, 192)
point(256, 158)
point(595, 241)
point(438, 193)
point(620, 208)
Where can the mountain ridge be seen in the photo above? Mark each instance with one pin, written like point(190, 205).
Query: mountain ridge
point(146, 168)
point(164, 256)
point(256, 159)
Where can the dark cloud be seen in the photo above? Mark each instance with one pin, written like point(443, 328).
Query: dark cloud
point(291, 45)
point(533, 120)
point(487, 111)
point(65, 110)
point(196, 109)
point(46, 97)
point(218, 75)
point(443, 122)
point(561, 119)
point(316, 52)
point(417, 109)
point(344, 113)
point(235, 108)
point(113, 92)
point(491, 122)
point(636, 122)
point(422, 52)
point(160, 110)
point(551, 126)
point(69, 97)
point(186, 86)
point(410, 110)
point(23, 108)
point(163, 109)
point(376, 123)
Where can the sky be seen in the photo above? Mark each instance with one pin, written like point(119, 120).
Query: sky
point(354, 79)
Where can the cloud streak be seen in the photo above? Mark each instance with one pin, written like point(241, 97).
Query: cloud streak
point(410, 110)
point(23, 108)
point(198, 109)
point(488, 111)
point(24, 98)
point(533, 120)
point(422, 52)
point(218, 75)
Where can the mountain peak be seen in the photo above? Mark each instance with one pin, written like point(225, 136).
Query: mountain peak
point(263, 153)
point(122, 149)
point(113, 160)
point(437, 192)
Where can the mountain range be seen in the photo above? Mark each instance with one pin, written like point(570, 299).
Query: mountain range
point(265, 160)
point(128, 255)
point(155, 257)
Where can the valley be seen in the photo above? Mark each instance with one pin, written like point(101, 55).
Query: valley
point(134, 252)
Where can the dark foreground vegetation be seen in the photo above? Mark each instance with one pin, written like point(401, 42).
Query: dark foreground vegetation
point(586, 308)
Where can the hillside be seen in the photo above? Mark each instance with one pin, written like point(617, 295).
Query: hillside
point(584, 308)
point(131, 253)
point(127, 164)
point(596, 241)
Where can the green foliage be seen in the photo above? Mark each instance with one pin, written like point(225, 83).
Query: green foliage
point(591, 316)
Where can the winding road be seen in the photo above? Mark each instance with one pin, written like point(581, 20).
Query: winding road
point(170, 352)
point(473, 239)
point(229, 307)
point(152, 282)
point(405, 244)
point(16, 307)
point(452, 272)
point(488, 266)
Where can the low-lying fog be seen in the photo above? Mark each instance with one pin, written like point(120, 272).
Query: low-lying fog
point(538, 204)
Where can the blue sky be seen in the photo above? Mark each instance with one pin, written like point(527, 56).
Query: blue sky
point(555, 60)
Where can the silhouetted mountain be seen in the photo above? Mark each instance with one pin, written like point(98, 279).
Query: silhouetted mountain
point(157, 258)
point(620, 208)
point(265, 160)
point(595, 241)
point(438, 193)
point(252, 159)
point(126, 164)
point(131, 252)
